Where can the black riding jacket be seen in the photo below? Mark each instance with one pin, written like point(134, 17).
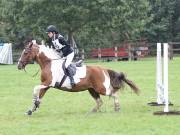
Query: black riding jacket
point(60, 44)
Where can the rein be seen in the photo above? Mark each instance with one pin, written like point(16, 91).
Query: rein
point(24, 63)
point(34, 74)
point(37, 70)
point(56, 59)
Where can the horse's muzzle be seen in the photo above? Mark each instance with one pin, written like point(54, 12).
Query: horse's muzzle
point(21, 65)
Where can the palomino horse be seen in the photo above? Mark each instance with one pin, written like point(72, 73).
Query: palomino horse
point(98, 81)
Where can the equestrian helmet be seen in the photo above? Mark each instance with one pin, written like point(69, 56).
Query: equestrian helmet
point(51, 28)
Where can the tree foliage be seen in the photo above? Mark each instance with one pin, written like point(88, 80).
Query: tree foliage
point(95, 23)
point(164, 25)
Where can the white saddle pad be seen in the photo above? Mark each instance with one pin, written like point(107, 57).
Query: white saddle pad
point(80, 73)
point(58, 73)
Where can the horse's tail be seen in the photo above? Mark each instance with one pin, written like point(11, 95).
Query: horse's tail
point(118, 79)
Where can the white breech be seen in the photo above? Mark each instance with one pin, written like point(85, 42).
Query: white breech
point(69, 59)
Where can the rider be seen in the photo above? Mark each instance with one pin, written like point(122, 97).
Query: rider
point(60, 45)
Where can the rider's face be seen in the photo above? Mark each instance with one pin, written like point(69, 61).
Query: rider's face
point(50, 34)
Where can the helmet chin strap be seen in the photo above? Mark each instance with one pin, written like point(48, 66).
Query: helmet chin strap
point(54, 36)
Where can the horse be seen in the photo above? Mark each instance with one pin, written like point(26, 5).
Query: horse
point(97, 80)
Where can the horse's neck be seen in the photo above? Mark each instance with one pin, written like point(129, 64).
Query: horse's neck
point(48, 52)
point(46, 55)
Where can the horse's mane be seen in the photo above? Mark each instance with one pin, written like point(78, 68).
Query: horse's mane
point(49, 52)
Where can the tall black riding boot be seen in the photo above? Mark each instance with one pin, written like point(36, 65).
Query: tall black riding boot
point(70, 74)
point(72, 81)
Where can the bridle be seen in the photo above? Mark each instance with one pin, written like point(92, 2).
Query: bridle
point(24, 63)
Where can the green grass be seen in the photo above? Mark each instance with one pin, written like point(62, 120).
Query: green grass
point(64, 113)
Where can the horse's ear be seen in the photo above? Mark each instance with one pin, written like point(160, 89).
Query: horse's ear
point(30, 44)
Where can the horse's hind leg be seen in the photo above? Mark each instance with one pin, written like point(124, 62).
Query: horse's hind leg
point(116, 100)
point(97, 98)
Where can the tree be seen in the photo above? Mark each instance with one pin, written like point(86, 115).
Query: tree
point(96, 23)
point(163, 26)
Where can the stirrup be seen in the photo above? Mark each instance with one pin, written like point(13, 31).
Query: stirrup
point(72, 81)
point(73, 84)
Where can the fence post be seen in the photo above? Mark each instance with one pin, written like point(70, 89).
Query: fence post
point(82, 54)
point(129, 52)
point(99, 53)
point(170, 51)
point(115, 53)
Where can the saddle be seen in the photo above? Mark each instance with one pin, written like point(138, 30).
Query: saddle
point(72, 66)
point(72, 72)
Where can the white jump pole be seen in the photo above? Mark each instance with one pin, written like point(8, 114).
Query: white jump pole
point(159, 82)
point(166, 108)
point(162, 86)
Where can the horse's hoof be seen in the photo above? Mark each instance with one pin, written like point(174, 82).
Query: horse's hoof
point(29, 112)
point(117, 109)
point(94, 110)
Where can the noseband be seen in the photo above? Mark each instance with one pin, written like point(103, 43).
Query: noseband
point(24, 62)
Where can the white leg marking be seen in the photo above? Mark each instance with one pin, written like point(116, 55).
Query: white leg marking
point(116, 101)
point(36, 96)
point(115, 95)
point(37, 89)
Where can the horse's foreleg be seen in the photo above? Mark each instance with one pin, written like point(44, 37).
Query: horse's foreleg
point(97, 98)
point(38, 93)
point(116, 101)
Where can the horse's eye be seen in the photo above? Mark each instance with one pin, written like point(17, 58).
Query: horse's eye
point(26, 51)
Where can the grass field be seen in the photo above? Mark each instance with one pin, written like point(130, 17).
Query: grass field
point(64, 113)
